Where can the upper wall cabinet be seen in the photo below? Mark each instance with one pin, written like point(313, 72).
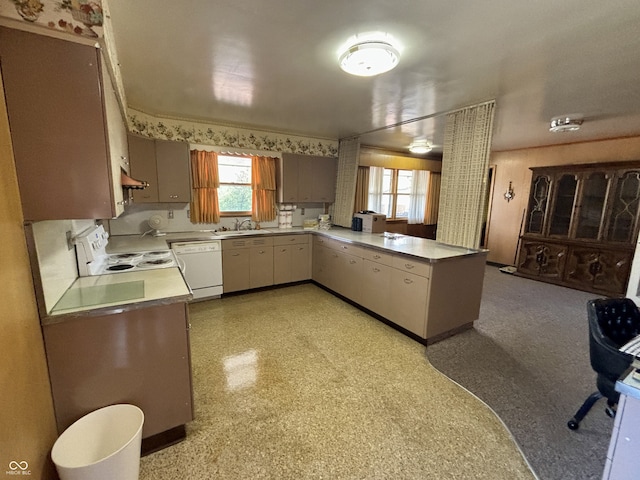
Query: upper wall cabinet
point(577, 216)
point(66, 127)
point(164, 165)
point(306, 179)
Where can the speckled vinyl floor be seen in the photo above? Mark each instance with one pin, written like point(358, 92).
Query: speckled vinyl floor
point(294, 383)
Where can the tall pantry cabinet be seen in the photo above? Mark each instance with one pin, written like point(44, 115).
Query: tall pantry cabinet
point(581, 226)
point(68, 133)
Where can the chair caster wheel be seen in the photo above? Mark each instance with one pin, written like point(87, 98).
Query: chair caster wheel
point(572, 424)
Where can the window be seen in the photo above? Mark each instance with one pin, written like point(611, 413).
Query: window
point(396, 191)
point(234, 193)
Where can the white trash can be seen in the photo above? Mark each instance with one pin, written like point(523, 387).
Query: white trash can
point(102, 445)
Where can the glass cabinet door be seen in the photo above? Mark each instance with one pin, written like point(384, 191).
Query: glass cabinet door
point(565, 194)
point(592, 201)
point(624, 212)
point(538, 199)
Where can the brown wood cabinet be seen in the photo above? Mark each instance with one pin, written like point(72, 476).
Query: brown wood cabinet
point(306, 179)
point(581, 226)
point(164, 164)
point(66, 127)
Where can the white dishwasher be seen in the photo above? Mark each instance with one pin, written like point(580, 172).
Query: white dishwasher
point(202, 266)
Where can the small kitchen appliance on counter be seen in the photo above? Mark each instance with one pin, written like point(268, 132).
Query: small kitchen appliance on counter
point(93, 258)
point(371, 222)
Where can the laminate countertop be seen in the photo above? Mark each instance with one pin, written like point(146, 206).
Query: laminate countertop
point(112, 293)
point(422, 248)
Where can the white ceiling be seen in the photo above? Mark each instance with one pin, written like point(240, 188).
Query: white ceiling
point(273, 65)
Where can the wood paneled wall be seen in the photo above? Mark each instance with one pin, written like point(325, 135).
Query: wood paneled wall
point(27, 424)
point(514, 166)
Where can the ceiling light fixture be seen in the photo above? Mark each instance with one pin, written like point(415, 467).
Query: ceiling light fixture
point(369, 54)
point(565, 124)
point(420, 147)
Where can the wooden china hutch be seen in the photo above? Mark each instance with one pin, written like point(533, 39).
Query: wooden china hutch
point(581, 226)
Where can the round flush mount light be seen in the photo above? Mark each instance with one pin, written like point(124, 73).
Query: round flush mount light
point(420, 147)
point(369, 54)
point(565, 124)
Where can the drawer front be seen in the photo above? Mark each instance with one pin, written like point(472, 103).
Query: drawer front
point(349, 248)
point(408, 264)
point(377, 256)
point(235, 243)
point(291, 239)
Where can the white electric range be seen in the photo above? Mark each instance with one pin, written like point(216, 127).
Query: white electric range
point(93, 258)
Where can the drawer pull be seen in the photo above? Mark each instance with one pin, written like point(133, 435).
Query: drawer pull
point(408, 281)
point(235, 254)
point(352, 262)
point(408, 266)
point(345, 247)
point(376, 270)
point(377, 257)
point(292, 239)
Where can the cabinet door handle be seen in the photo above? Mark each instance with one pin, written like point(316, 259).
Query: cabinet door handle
point(292, 239)
point(408, 266)
point(376, 257)
point(352, 262)
point(173, 196)
point(235, 254)
point(283, 250)
point(408, 281)
point(345, 247)
point(300, 248)
point(261, 252)
point(335, 255)
point(376, 270)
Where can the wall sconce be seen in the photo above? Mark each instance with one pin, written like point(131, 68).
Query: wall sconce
point(509, 194)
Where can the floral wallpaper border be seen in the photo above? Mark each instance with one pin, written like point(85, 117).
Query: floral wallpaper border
point(78, 17)
point(224, 136)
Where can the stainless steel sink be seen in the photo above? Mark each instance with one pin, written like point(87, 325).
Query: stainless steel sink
point(239, 233)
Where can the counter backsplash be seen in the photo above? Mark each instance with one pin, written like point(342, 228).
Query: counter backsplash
point(134, 219)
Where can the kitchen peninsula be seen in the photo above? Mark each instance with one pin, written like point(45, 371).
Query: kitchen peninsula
point(426, 289)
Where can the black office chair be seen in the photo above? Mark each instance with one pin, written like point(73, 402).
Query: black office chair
point(612, 323)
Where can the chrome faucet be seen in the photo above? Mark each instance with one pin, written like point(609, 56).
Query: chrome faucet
point(240, 223)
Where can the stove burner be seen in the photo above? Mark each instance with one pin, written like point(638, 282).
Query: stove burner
point(157, 254)
point(155, 263)
point(124, 258)
point(121, 266)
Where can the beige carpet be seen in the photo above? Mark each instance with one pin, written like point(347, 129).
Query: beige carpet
point(294, 383)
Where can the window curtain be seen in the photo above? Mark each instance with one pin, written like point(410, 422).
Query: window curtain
point(433, 199)
point(362, 190)
point(205, 182)
point(376, 175)
point(263, 189)
point(348, 156)
point(465, 167)
point(418, 197)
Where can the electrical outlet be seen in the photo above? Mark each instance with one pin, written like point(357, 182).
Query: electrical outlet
point(69, 240)
point(302, 211)
point(170, 214)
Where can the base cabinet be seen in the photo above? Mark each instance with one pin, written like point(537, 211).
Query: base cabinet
point(598, 270)
point(409, 301)
point(376, 288)
point(291, 258)
point(247, 263)
point(140, 356)
point(542, 259)
point(430, 300)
